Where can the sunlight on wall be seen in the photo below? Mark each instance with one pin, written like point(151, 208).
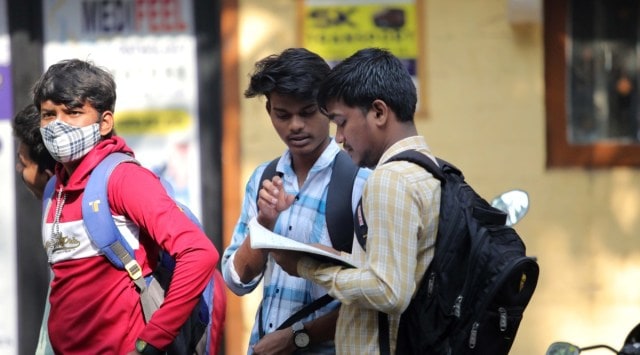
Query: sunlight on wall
point(256, 26)
point(622, 277)
point(587, 293)
point(625, 200)
point(605, 310)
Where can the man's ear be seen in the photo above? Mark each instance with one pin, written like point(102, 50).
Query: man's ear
point(106, 124)
point(267, 106)
point(380, 111)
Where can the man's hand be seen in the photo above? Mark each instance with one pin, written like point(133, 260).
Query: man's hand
point(272, 200)
point(288, 260)
point(278, 342)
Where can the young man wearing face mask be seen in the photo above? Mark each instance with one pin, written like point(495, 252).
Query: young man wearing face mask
point(95, 308)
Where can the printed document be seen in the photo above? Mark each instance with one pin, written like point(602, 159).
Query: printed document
point(262, 238)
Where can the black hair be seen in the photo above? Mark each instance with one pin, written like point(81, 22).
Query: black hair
point(73, 83)
point(26, 128)
point(295, 72)
point(368, 75)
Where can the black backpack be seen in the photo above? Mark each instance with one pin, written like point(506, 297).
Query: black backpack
point(473, 294)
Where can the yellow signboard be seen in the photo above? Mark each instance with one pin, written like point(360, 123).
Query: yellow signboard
point(336, 32)
point(336, 29)
point(153, 121)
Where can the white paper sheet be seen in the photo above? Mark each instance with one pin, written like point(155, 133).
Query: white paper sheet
point(262, 238)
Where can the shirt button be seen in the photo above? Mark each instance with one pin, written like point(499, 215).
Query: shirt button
point(290, 227)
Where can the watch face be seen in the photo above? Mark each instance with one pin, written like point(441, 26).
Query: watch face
point(141, 345)
point(301, 339)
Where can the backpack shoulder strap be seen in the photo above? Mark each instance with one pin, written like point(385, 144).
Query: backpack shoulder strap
point(269, 171)
point(448, 173)
point(413, 156)
point(339, 217)
point(339, 209)
point(360, 223)
point(47, 196)
point(98, 220)
point(440, 171)
point(184, 208)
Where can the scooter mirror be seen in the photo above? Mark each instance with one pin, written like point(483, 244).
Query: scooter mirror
point(515, 203)
point(563, 348)
point(634, 336)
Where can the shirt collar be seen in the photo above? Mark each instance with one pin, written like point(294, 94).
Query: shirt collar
point(324, 160)
point(418, 143)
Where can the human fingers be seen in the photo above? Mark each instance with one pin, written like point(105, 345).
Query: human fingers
point(269, 193)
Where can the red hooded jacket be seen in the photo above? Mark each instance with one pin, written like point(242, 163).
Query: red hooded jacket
point(95, 307)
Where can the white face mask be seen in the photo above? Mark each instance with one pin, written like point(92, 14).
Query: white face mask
point(67, 143)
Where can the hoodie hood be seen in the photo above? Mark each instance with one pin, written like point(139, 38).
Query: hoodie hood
point(80, 176)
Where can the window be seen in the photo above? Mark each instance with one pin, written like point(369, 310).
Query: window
point(591, 75)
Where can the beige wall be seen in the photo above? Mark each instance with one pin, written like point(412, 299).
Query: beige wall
point(485, 94)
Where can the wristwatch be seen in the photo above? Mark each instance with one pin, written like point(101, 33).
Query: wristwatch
point(300, 336)
point(146, 349)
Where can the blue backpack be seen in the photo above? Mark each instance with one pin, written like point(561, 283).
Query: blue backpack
point(201, 334)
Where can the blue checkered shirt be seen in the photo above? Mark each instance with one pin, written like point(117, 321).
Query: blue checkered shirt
point(304, 221)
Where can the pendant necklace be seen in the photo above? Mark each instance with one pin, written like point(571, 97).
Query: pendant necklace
point(56, 235)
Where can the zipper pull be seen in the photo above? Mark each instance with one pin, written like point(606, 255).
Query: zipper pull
point(457, 307)
point(473, 337)
point(503, 319)
point(431, 284)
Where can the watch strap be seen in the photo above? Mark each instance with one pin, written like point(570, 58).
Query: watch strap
point(305, 311)
point(297, 326)
point(145, 348)
point(300, 332)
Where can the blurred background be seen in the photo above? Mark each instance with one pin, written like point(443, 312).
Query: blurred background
point(528, 94)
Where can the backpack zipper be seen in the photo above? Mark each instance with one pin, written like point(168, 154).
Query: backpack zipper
point(503, 319)
point(473, 337)
point(457, 306)
point(431, 284)
point(476, 246)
